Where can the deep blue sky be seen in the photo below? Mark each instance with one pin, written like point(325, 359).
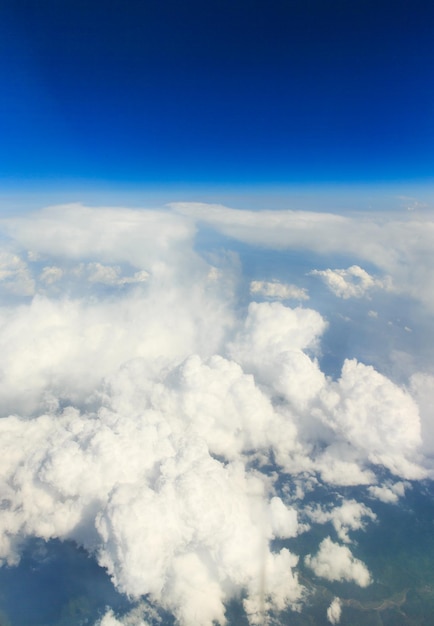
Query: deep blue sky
point(225, 92)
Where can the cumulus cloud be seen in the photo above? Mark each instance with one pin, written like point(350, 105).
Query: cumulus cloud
point(336, 562)
point(63, 344)
point(350, 515)
point(14, 275)
point(148, 414)
point(353, 282)
point(388, 493)
point(200, 523)
point(376, 417)
point(112, 275)
point(65, 347)
point(334, 611)
point(277, 290)
point(50, 275)
point(109, 619)
point(342, 464)
point(273, 345)
point(141, 615)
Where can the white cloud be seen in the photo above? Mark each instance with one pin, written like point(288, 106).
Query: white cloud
point(350, 515)
point(109, 619)
point(279, 328)
point(284, 521)
point(388, 493)
point(379, 419)
point(334, 611)
point(223, 403)
point(67, 345)
point(353, 282)
point(272, 346)
point(14, 275)
point(335, 562)
point(278, 588)
point(277, 290)
point(171, 522)
point(111, 235)
point(341, 464)
point(105, 274)
point(174, 394)
point(50, 275)
point(276, 229)
point(141, 615)
point(112, 275)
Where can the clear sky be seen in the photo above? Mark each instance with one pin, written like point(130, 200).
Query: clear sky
point(194, 93)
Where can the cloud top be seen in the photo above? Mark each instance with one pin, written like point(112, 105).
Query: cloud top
point(277, 290)
point(335, 562)
point(353, 282)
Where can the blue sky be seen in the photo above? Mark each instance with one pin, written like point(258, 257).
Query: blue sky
point(196, 94)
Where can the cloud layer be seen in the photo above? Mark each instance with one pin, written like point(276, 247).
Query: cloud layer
point(148, 411)
point(354, 282)
point(399, 245)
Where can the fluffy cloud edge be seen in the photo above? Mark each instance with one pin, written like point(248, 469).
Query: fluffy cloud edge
point(336, 563)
